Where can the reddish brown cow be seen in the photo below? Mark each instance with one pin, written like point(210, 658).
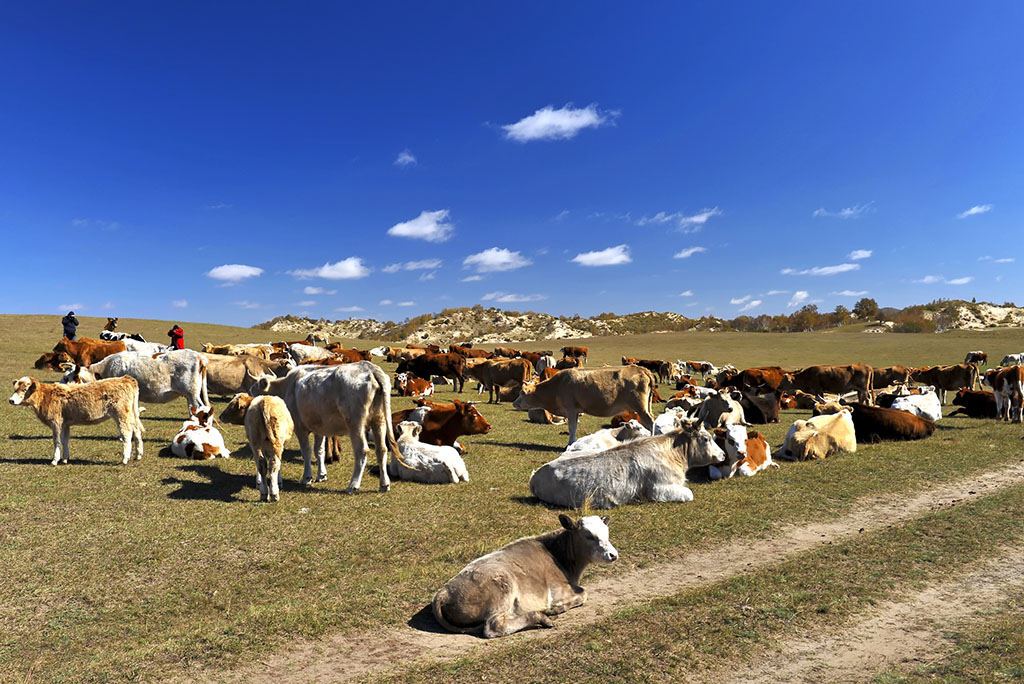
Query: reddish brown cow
point(890, 375)
point(759, 380)
point(52, 361)
point(944, 378)
point(427, 366)
point(876, 424)
point(621, 418)
point(88, 351)
point(760, 410)
point(532, 357)
point(837, 379)
point(506, 352)
point(548, 373)
point(409, 385)
point(575, 352)
point(975, 404)
point(468, 353)
point(445, 423)
point(786, 401)
point(572, 362)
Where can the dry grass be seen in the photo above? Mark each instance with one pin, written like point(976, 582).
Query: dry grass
point(147, 570)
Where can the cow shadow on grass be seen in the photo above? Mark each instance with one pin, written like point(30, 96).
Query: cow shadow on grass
point(523, 445)
point(423, 621)
point(219, 486)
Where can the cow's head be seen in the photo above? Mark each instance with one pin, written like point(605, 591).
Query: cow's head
point(589, 537)
point(23, 389)
point(525, 399)
point(472, 422)
point(409, 429)
point(703, 450)
point(111, 324)
point(234, 412)
point(200, 415)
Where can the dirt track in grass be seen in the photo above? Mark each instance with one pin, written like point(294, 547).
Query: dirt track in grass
point(422, 641)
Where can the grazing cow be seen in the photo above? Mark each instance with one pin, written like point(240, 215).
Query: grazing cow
point(574, 352)
point(722, 408)
point(544, 417)
point(341, 400)
point(646, 469)
point(198, 438)
point(890, 375)
point(1012, 360)
point(315, 337)
point(409, 385)
point(653, 365)
point(494, 375)
point(444, 423)
point(87, 350)
point(60, 407)
point(448, 365)
point(229, 375)
point(975, 404)
point(820, 437)
point(839, 378)
point(944, 378)
point(924, 405)
point(978, 358)
point(600, 392)
point(506, 352)
point(162, 378)
point(426, 463)
point(469, 353)
point(607, 438)
point(756, 380)
point(760, 410)
point(268, 425)
point(876, 424)
point(567, 363)
point(1008, 389)
point(526, 583)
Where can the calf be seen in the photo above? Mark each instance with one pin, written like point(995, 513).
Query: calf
point(426, 463)
point(198, 438)
point(975, 404)
point(1008, 389)
point(608, 438)
point(59, 407)
point(268, 425)
point(525, 583)
point(161, 378)
point(409, 385)
point(820, 437)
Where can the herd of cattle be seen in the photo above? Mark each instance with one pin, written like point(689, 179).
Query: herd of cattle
point(320, 394)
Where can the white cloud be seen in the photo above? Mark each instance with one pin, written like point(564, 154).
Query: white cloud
point(660, 217)
point(799, 297)
point(508, 297)
point(472, 278)
point(740, 300)
point(688, 293)
point(70, 307)
point(405, 158)
point(233, 273)
point(752, 305)
point(218, 205)
point(495, 259)
point(423, 265)
point(1004, 260)
point(612, 256)
point(346, 269)
point(847, 213)
point(428, 276)
point(849, 293)
point(410, 303)
point(429, 226)
point(932, 279)
point(385, 302)
point(822, 270)
point(349, 309)
point(180, 303)
point(562, 214)
point(689, 252)
point(960, 281)
point(975, 210)
point(697, 220)
point(310, 290)
point(392, 268)
point(860, 254)
point(557, 124)
point(108, 306)
point(772, 293)
point(247, 305)
point(308, 302)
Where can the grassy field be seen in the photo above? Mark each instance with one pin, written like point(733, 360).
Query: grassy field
point(165, 567)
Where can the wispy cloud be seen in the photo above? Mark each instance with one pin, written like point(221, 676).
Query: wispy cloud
point(960, 281)
point(685, 223)
point(472, 278)
point(688, 293)
point(822, 270)
point(349, 309)
point(612, 256)
point(689, 252)
point(307, 302)
point(346, 269)
point(95, 223)
point(71, 307)
point(219, 205)
point(846, 213)
point(933, 279)
point(409, 303)
point(247, 305)
point(799, 297)
point(557, 124)
point(310, 290)
point(858, 254)
point(772, 293)
point(740, 300)
point(753, 304)
point(180, 303)
point(1003, 260)
point(429, 226)
point(385, 302)
point(233, 273)
point(495, 259)
point(849, 293)
point(405, 158)
point(427, 276)
point(423, 265)
point(561, 215)
point(509, 297)
point(975, 210)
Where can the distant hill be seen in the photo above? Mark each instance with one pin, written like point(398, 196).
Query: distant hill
point(492, 325)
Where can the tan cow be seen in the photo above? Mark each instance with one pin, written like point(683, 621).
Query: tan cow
point(495, 374)
point(525, 583)
point(87, 350)
point(820, 437)
point(600, 392)
point(268, 425)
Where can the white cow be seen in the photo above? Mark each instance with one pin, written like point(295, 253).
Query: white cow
point(1013, 360)
point(350, 399)
point(426, 463)
point(177, 373)
point(145, 347)
point(608, 438)
point(925, 405)
point(198, 438)
point(646, 469)
point(300, 353)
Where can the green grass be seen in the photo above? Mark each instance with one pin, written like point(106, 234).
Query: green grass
point(142, 571)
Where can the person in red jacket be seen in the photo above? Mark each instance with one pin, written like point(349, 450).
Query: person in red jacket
point(177, 336)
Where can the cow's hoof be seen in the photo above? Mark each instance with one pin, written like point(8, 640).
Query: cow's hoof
point(350, 490)
point(385, 488)
point(321, 478)
point(306, 483)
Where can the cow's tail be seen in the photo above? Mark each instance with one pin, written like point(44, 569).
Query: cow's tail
point(203, 389)
point(435, 607)
point(870, 385)
point(382, 399)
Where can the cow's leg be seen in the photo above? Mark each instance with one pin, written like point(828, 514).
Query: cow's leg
point(56, 445)
point(274, 475)
point(307, 455)
point(124, 428)
point(503, 624)
point(261, 471)
point(380, 446)
point(320, 446)
point(357, 436)
point(573, 418)
point(566, 598)
point(65, 443)
point(671, 492)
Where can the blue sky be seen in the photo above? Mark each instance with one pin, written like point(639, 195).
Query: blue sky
point(229, 162)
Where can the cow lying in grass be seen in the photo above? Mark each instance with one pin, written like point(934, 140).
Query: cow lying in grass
point(525, 583)
point(646, 469)
point(198, 438)
point(426, 463)
point(820, 437)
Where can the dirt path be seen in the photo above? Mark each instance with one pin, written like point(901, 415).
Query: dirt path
point(898, 634)
point(422, 641)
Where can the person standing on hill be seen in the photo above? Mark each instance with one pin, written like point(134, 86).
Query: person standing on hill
point(70, 324)
point(177, 336)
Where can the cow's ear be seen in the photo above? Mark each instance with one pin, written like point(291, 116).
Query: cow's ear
point(567, 522)
point(605, 519)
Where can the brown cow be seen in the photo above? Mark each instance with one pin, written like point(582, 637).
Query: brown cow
point(532, 357)
point(548, 373)
point(876, 424)
point(1008, 389)
point(566, 363)
point(979, 358)
point(757, 380)
point(88, 351)
point(975, 404)
point(574, 352)
point(494, 375)
point(408, 385)
point(890, 375)
point(506, 352)
point(838, 379)
point(469, 353)
point(944, 378)
point(444, 423)
point(111, 324)
point(450, 365)
point(761, 410)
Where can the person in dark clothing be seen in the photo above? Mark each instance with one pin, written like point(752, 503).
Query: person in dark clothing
point(70, 324)
point(177, 336)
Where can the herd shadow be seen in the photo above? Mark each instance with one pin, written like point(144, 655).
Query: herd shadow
point(524, 446)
